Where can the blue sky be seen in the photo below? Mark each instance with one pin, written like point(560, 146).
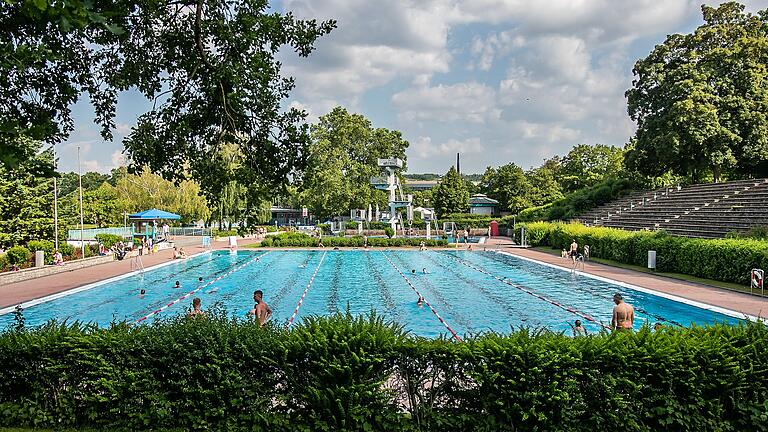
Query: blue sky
point(497, 80)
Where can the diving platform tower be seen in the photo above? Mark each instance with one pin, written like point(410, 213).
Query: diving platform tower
point(391, 184)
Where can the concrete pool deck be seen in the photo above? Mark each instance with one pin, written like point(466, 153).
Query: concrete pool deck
point(21, 292)
point(735, 301)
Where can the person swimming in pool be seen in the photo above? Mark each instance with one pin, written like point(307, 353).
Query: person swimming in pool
point(178, 284)
point(261, 309)
point(420, 301)
point(142, 292)
point(200, 279)
point(424, 270)
point(578, 329)
point(413, 272)
point(196, 308)
point(623, 314)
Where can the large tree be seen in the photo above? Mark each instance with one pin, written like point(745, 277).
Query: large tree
point(587, 165)
point(451, 195)
point(543, 185)
point(26, 200)
point(209, 66)
point(212, 70)
point(147, 190)
point(700, 100)
point(343, 159)
point(508, 185)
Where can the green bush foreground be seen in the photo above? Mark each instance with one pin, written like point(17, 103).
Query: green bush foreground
point(361, 373)
point(728, 260)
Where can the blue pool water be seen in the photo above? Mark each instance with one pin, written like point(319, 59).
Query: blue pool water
point(456, 286)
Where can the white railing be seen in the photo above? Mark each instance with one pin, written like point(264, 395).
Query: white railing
point(90, 233)
point(190, 231)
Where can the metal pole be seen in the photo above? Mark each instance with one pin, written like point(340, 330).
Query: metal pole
point(55, 204)
point(80, 184)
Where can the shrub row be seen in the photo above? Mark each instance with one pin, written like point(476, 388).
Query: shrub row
point(362, 373)
point(303, 240)
point(24, 256)
point(728, 260)
point(108, 240)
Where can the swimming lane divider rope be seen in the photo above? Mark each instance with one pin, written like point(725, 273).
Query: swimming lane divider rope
point(455, 336)
point(187, 295)
point(527, 291)
point(301, 300)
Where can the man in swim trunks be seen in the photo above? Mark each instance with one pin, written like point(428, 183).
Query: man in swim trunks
point(573, 252)
point(196, 308)
point(623, 314)
point(260, 310)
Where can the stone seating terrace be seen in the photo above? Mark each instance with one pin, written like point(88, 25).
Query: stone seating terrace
point(706, 210)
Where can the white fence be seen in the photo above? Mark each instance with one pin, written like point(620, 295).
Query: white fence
point(90, 234)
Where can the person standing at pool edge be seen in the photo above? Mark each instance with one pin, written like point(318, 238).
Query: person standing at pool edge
point(623, 314)
point(573, 252)
point(261, 310)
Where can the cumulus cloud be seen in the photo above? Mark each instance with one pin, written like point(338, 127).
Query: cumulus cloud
point(471, 102)
point(424, 148)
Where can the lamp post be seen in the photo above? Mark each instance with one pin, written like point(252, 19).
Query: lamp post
point(80, 185)
point(55, 204)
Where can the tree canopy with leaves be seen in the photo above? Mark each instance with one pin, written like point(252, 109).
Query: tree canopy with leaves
point(209, 66)
point(26, 200)
point(342, 159)
point(586, 165)
point(508, 185)
point(700, 100)
point(451, 195)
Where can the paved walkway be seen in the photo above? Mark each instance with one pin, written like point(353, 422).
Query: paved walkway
point(739, 302)
point(20, 292)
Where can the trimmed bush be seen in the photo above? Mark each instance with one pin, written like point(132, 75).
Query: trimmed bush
point(18, 255)
point(224, 233)
point(42, 245)
point(361, 373)
point(389, 232)
point(108, 240)
point(728, 260)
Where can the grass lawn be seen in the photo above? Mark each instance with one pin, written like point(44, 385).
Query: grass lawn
point(713, 283)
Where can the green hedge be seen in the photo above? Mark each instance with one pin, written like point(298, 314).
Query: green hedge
point(303, 240)
point(364, 374)
point(728, 260)
point(109, 240)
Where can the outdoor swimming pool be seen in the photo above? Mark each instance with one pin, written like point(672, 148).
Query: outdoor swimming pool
point(471, 291)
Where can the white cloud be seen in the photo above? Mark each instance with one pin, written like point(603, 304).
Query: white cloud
point(122, 128)
point(471, 102)
point(118, 159)
point(424, 148)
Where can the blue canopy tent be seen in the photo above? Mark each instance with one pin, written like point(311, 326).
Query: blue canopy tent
point(147, 219)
